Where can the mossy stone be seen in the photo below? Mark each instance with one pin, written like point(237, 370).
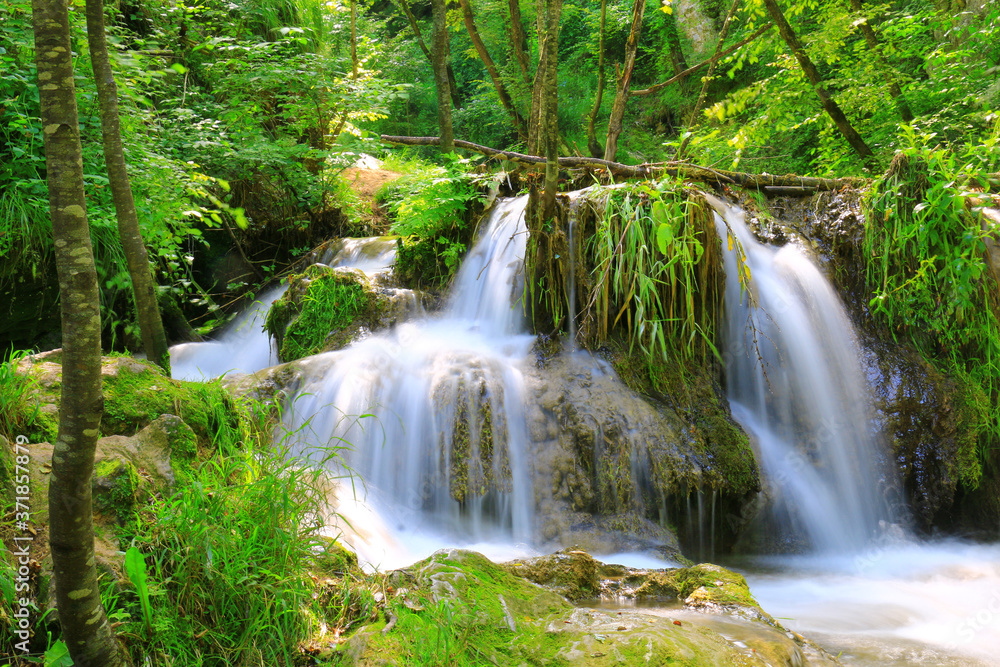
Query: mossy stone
point(323, 309)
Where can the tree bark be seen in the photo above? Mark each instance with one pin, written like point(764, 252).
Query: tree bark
point(870, 38)
point(781, 184)
point(673, 40)
point(154, 340)
point(708, 79)
point(491, 68)
point(519, 40)
point(85, 626)
point(596, 149)
point(440, 62)
point(453, 86)
point(624, 82)
point(550, 117)
point(354, 39)
point(829, 104)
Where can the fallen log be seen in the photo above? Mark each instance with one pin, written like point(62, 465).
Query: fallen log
point(765, 182)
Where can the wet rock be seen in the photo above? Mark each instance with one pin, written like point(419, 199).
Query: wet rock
point(615, 469)
point(457, 606)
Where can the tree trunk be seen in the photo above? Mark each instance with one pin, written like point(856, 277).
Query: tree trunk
point(491, 68)
point(453, 86)
point(707, 80)
point(673, 40)
point(440, 62)
point(831, 107)
point(154, 340)
point(788, 184)
point(897, 94)
point(518, 40)
point(596, 149)
point(85, 626)
point(624, 82)
point(536, 119)
point(354, 39)
point(551, 116)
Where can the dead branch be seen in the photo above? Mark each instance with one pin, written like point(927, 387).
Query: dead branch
point(691, 70)
point(648, 170)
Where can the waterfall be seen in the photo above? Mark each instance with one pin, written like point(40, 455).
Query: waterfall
point(431, 413)
point(796, 386)
point(244, 346)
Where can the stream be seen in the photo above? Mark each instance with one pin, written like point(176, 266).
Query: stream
point(436, 405)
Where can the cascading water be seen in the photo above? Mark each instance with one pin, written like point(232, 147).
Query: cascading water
point(431, 413)
point(795, 384)
point(244, 346)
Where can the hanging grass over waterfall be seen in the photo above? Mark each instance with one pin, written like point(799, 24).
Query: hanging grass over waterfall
point(656, 269)
point(928, 248)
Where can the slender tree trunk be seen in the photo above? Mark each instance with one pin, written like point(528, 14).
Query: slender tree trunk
point(536, 119)
point(596, 149)
point(890, 79)
point(154, 340)
point(491, 68)
point(624, 82)
point(354, 39)
point(551, 116)
point(831, 107)
point(440, 61)
point(85, 626)
point(673, 40)
point(707, 80)
point(519, 40)
point(453, 86)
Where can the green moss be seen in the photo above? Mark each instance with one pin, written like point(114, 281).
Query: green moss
point(323, 309)
point(458, 608)
point(476, 431)
point(116, 487)
point(689, 387)
point(572, 574)
point(137, 392)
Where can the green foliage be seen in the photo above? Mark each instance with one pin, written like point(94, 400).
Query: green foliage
point(929, 273)
point(657, 269)
point(135, 570)
point(432, 207)
point(17, 411)
point(228, 582)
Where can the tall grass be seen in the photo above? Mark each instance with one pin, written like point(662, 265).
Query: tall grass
point(229, 555)
point(929, 274)
point(657, 270)
point(17, 410)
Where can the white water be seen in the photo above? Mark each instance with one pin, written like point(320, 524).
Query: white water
point(796, 386)
point(403, 403)
point(244, 346)
point(899, 604)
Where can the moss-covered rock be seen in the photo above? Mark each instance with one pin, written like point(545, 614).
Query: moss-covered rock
point(323, 309)
point(116, 487)
point(136, 392)
point(458, 608)
point(621, 459)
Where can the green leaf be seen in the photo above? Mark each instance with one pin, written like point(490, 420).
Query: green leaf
point(664, 237)
point(57, 655)
point(135, 570)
